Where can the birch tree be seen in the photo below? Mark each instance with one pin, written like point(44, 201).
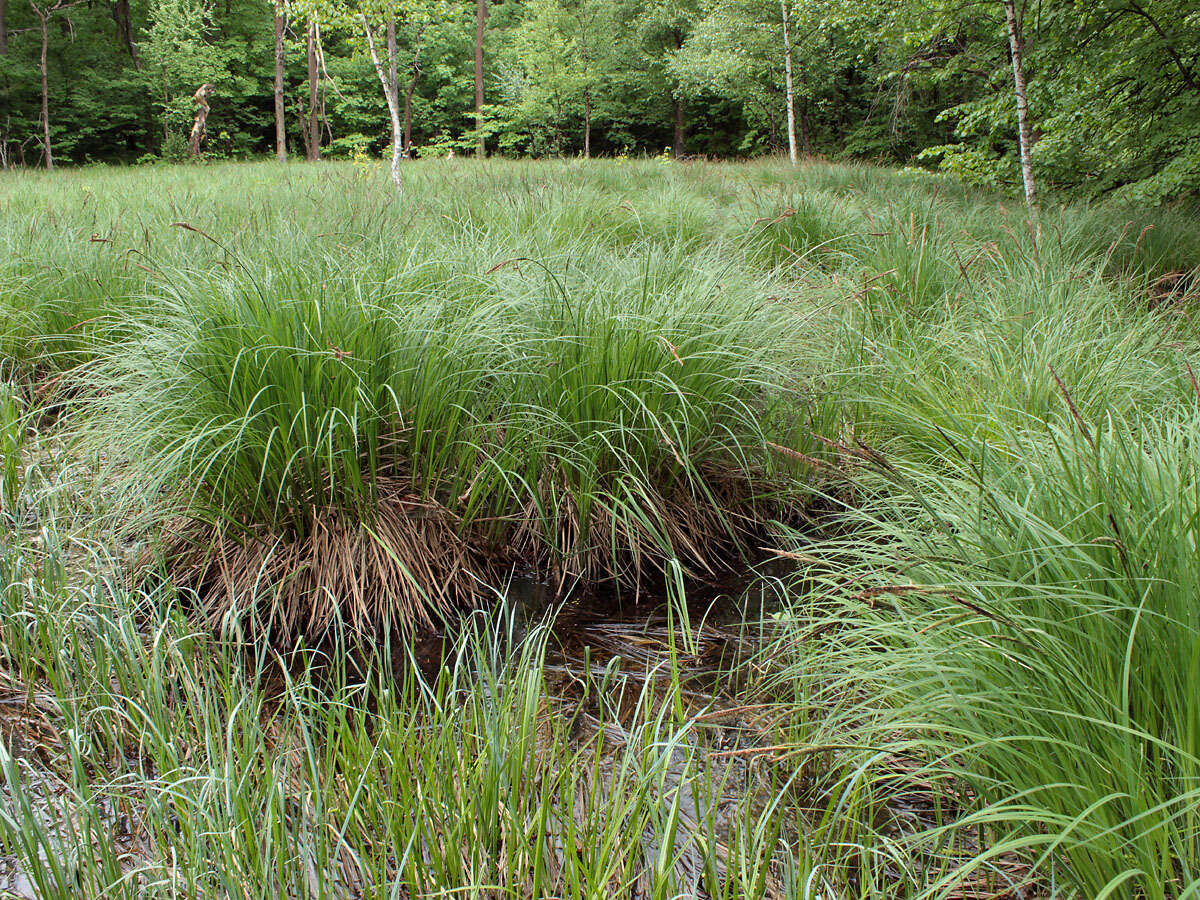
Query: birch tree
point(789, 90)
point(385, 69)
point(376, 22)
point(1016, 46)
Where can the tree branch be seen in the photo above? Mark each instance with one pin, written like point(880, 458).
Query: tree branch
point(1189, 77)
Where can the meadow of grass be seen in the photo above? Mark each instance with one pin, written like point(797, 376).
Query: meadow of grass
point(266, 428)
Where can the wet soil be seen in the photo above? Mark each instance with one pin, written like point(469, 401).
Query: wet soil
point(590, 627)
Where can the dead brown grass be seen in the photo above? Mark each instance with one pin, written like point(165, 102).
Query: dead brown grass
point(405, 566)
point(412, 561)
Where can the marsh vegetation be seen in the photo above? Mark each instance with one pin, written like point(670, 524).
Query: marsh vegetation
point(606, 529)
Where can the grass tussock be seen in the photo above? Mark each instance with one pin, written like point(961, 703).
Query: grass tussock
point(1022, 627)
point(372, 454)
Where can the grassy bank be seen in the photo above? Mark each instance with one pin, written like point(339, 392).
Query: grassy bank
point(267, 407)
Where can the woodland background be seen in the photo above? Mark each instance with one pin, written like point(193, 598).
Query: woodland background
point(1113, 85)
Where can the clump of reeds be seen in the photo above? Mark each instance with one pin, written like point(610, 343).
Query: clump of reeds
point(371, 455)
point(1012, 635)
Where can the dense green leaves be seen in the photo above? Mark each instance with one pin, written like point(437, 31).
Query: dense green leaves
point(1114, 85)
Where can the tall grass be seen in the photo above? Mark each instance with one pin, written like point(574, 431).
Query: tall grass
point(154, 761)
point(1024, 627)
point(13, 433)
point(327, 408)
point(374, 453)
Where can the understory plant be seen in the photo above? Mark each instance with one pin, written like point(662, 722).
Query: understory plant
point(157, 760)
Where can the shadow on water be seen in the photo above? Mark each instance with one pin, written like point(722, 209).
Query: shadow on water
point(593, 630)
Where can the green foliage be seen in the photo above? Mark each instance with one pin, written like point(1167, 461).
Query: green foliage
point(566, 380)
point(480, 777)
point(181, 59)
point(1114, 94)
point(13, 426)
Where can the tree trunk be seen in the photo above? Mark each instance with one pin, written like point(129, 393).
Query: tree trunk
point(1017, 47)
point(802, 125)
point(124, 22)
point(587, 123)
point(481, 15)
point(392, 89)
point(280, 121)
point(392, 101)
point(201, 97)
point(47, 153)
point(393, 84)
point(408, 95)
point(166, 99)
point(679, 143)
point(679, 109)
point(790, 92)
point(313, 126)
point(393, 79)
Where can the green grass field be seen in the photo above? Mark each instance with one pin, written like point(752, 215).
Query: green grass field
point(266, 429)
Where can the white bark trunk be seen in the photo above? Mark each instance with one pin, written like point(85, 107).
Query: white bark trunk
point(789, 90)
point(393, 101)
point(1017, 47)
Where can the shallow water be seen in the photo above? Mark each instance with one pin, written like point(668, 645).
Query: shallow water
point(592, 628)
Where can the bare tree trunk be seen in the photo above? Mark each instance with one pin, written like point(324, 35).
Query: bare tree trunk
point(124, 22)
point(313, 128)
point(280, 121)
point(201, 97)
point(802, 124)
point(392, 101)
point(587, 123)
point(393, 72)
point(47, 153)
point(393, 84)
point(481, 15)
point(166, 99)
point(408, 96)
point(1016, 45)
point(791, 94)
point(679, 143)
point(679, 108)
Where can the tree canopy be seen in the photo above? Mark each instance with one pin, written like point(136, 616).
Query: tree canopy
point(1113, 86)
